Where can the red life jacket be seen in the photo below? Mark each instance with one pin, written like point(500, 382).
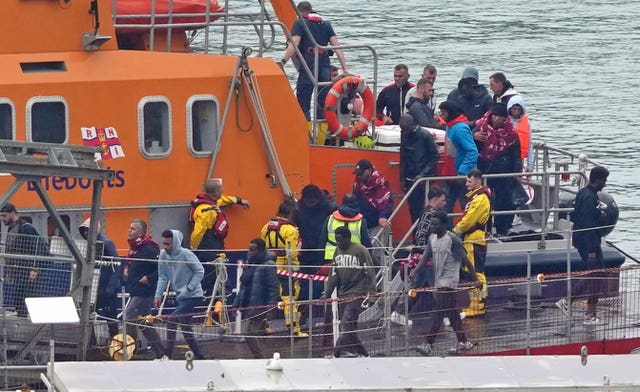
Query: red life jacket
point(278, 243)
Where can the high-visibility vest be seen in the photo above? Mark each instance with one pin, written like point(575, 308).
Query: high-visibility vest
point(354, 224)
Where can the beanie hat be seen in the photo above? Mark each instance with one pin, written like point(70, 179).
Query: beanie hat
point(470, 72)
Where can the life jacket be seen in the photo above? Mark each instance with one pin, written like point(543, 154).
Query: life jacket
point(276, 243)
point(478, 225)
point(220, 227)
point(524, 134)
point(354, 224)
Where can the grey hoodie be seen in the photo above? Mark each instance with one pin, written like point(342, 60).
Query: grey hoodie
point(180, 267)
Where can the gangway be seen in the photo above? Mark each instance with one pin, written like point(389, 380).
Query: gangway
point(32, 162)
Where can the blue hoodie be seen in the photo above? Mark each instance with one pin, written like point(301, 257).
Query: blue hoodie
point(182, 268)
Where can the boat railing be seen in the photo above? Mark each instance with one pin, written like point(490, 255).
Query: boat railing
point(555, 171)
point(521, 319)
point(265, 27)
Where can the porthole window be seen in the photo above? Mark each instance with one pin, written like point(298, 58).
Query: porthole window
point(202, 124)
point(154, 126)
point(47, 120)
point(7, 120)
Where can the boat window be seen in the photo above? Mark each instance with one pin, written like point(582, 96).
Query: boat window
point(154, 126)
point(7, 119)
point(43, 66)
point(47, 120)
point(202, 124)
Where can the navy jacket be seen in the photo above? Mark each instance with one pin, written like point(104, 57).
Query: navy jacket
point(143, 264)
point(586, 215)
point(259, 282)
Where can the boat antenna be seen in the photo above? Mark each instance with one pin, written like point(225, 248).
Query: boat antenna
point(93, 41)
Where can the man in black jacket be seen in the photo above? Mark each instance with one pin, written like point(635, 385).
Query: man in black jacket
point(587, 225)
point(25, 277)
point(418, 159)
point(140, 276)
point(258, 293)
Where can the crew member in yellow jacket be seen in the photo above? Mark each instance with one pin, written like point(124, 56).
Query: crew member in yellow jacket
point(282, 237)
point(209, 226)
point(471, 229)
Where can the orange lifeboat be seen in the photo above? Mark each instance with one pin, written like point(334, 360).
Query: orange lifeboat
point(337, 92)
point(139, 12)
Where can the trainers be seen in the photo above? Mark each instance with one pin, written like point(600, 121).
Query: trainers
point(400, 319)
point(347, 354)
point(463, 346)
point(563, 306)
point(424, 349)
point(591, 319)
point(446, 321)
point(162, 359)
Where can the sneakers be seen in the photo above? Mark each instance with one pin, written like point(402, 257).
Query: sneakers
point(447, 322)
point(163, 358)
point(563, 305)
point(462, 347)
point(591, 319)
point(400, 319)
point(424, 349)
point(346, 354)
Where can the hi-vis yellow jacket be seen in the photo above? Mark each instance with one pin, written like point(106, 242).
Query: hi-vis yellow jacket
point(476, 215)
point(204, 218)
point(283, 238)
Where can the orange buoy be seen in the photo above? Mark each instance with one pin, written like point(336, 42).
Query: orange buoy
point(339, 89)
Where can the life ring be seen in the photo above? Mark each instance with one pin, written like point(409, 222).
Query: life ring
point(331, 103)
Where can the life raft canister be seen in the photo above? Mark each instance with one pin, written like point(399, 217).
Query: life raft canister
point(331, 106)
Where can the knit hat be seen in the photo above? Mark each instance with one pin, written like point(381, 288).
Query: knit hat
point(470, 72)
point(85, 225)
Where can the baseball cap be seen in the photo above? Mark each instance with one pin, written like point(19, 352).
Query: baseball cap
point(304, 6)
point(8, 208)
point(362, 165)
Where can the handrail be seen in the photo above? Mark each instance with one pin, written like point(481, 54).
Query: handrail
point(222, 19)
point(549, 183)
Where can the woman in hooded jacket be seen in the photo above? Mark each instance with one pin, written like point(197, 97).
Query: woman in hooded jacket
point(520, 120)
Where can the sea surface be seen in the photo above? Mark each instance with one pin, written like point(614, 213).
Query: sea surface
point(576, 64)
